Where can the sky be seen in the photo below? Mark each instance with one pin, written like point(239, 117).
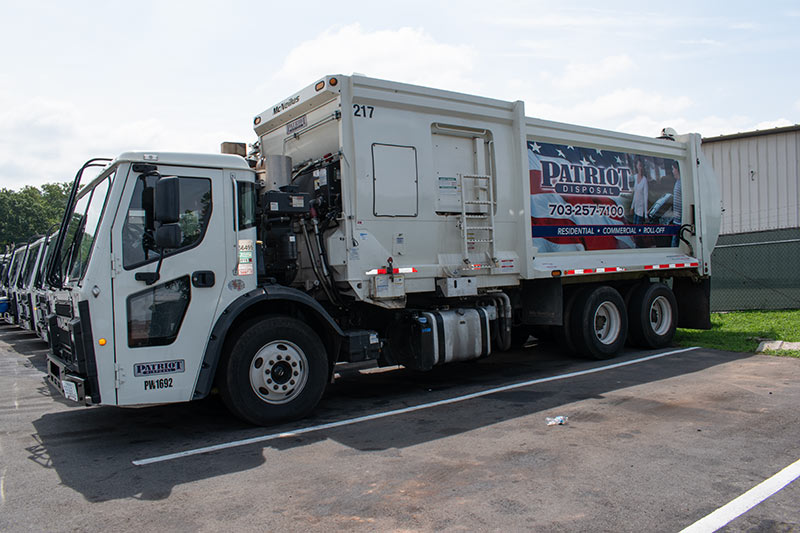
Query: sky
point(83, 79)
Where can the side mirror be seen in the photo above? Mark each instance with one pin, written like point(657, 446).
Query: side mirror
point(168, 237)
point(167, 200)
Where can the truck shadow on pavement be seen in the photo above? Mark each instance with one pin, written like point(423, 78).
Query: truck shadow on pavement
point(91, 449)
point(26, 344)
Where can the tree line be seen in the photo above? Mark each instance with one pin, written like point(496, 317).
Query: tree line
point(31, 211)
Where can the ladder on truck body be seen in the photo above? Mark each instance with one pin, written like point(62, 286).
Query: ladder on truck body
point(483, 233)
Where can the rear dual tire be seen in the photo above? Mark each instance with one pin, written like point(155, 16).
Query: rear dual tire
point(652, 316)
point(597, 322)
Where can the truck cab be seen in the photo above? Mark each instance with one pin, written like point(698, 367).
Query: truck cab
point(39, 294)
point(10, 281)
point(24, 285)
point(131, 280)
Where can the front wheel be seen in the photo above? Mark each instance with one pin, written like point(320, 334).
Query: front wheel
point(276, 370)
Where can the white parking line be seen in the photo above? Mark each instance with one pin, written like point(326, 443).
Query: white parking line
point(746, 501)
point(376, 416)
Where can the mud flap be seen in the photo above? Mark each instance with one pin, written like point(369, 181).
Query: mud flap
point(694, 302)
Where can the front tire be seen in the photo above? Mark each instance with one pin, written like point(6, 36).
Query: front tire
point(276, 370)
point(599, 323)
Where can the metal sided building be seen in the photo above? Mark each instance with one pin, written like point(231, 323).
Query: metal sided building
point(759, 245)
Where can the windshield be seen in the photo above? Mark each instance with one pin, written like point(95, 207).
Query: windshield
point(15, 265)
point(25, 275)
point(42, 270)
point(82, 229)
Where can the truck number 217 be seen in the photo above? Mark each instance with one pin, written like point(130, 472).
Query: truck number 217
point(364, 111)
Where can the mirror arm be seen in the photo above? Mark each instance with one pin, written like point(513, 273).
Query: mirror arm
point(151, 277)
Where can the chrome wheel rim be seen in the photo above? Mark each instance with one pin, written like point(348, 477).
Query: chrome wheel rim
point(607, 323)
point(660, 315)
point(278, 372)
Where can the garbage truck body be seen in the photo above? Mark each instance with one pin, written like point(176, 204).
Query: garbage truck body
point(372, 220)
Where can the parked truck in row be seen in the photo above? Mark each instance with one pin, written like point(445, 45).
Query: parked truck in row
point(24, 296)
point(372, 220)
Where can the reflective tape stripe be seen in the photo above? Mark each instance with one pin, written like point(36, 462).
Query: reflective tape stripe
point(671, 265)
point(579, 271)
point(593, 270)
point(402, 270)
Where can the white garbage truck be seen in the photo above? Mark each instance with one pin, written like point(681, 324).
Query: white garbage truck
point(372, 221)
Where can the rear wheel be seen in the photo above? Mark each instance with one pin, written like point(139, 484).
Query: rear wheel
point(652, 315)
point(598, 322)
point(276, 370)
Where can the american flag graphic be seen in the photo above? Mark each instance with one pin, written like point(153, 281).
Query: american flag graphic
point(581, 198)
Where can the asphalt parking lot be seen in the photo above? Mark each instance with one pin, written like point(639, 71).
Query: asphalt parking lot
point(655, 445)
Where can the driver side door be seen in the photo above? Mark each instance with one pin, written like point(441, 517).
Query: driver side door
point(161, 328)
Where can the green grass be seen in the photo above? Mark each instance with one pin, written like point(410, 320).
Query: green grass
point(784, 353)
point(742, 331)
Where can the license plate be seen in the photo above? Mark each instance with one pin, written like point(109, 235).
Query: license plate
point(70, 390)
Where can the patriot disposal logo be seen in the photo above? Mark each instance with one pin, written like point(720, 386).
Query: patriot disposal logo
point(583, 198)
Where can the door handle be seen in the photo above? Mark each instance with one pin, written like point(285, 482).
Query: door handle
point(203, 278)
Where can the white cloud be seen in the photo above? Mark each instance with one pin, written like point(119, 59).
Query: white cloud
point(706, 126)
point(577, 75)
point(709, 126)
point(45, 141)
point(702, 42)
point(571, 21)
point(608, 110)
point(777, 123)
point(33, 135)
point(407, 54)
point(563, 21)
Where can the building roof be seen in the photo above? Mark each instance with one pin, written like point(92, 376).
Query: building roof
point(756, 133)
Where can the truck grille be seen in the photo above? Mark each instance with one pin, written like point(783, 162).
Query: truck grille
point(64, 309)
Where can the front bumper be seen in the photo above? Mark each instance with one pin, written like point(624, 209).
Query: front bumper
point(72, 386)
point(71, 363)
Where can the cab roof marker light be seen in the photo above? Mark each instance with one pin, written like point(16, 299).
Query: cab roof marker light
point(320, 85)
point(332, 82)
